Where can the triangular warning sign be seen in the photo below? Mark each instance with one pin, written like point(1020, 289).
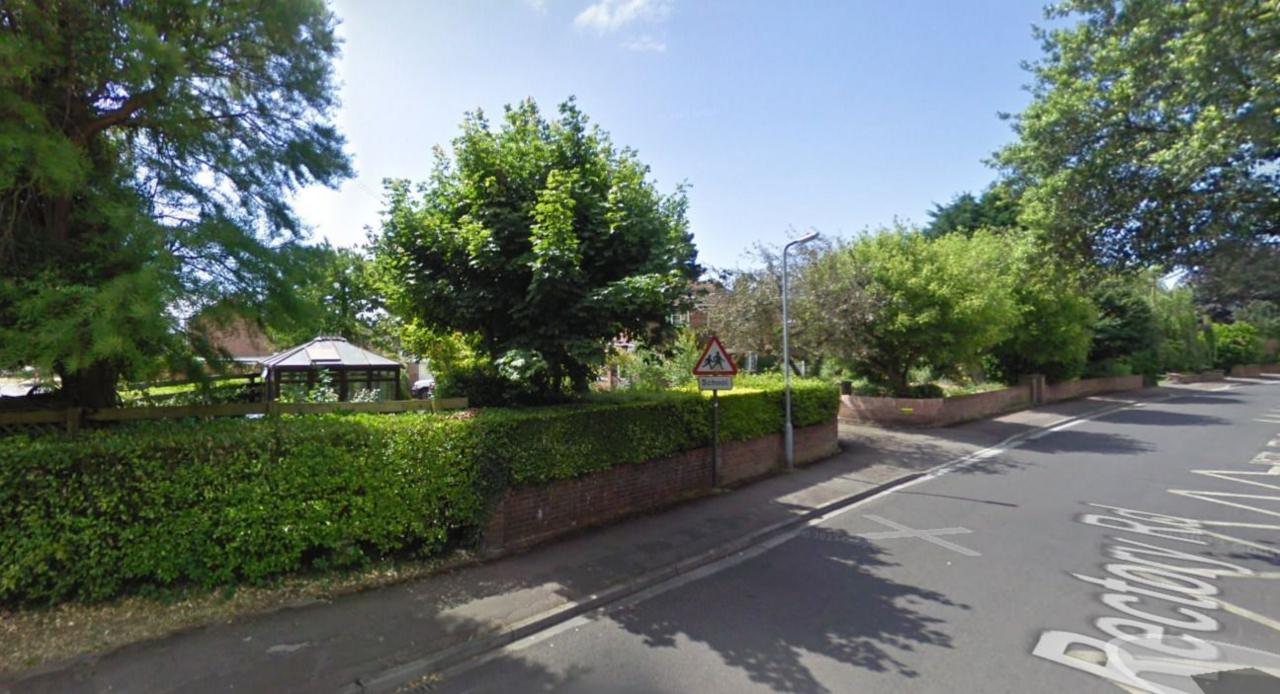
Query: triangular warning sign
point(715, 360)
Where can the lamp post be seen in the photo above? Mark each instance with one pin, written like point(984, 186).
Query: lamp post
point(788, 436)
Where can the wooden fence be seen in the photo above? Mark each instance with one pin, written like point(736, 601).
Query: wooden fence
point(74, 418)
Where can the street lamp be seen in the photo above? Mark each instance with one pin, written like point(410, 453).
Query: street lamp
point(788, 437)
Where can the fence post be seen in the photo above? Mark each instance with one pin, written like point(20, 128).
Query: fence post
point(74, 418)
point(1036, 382)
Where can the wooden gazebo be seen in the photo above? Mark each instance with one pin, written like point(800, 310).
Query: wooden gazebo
point(351, 369)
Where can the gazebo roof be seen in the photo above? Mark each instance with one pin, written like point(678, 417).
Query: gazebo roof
point(328, 352)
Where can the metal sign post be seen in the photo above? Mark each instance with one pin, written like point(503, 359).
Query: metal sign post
point(715, 439)
point(715, 370)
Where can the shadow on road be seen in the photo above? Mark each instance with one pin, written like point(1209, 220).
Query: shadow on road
point(1072, 441)
point(766, 617)
point(1205, 399)
point(1162, 418)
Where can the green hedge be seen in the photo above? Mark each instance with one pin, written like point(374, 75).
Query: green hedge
point(240, 500)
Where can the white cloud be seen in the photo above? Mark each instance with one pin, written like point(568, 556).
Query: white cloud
point(537, 5)
point(645, 44)
point(611, 15)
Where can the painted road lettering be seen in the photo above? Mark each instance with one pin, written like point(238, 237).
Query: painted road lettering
point(1163, 598)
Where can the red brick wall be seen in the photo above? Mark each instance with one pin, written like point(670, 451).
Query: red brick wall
point(940, 412)
point(1090, 386)
point(1202, 377)
point(1246, 370)
point(932, 412)
point(530, 515)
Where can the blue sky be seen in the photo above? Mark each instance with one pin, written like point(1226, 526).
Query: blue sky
point(836, 114)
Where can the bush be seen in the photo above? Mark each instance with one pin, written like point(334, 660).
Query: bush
point(1055, 319)
point(482, 385)
point(896, 301)
point(1236, 343)
point(1126, 322)
point(1183, 346)
point(210, 503)
point(1109, 368)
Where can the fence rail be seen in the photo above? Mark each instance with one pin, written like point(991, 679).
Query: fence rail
point(74, 418)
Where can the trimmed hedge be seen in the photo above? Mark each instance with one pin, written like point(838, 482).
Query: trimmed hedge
point(211, 503)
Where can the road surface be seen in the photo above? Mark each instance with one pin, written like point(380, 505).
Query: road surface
point(1137, 551)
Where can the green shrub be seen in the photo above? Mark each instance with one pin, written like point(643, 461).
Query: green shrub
point(1126, 322)
point(1183, 344)
point(902, 301)
point(481, 384)
point(211, 503)
point(216, 502)
point(1055, 319)
point(1237, 343)
point(1108, 368)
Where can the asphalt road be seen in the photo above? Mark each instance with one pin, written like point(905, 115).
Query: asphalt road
point(1009, 574)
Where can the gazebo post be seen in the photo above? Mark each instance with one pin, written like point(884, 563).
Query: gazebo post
point(398, 391)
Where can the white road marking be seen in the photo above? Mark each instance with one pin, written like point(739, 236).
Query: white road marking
point(926, 535)
point(1248, 614)
point(288, 647)
point(1247, 543)
point(1219, 498)
point(1265, 458)
point(1235, 475)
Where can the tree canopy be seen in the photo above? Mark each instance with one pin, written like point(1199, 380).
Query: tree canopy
point(994, 209)
point(1152, 136)
point(335, 295)
point(1055, 320)
point(1236, 276)
point(147, 154)
point(908, 301)
point(541, 238)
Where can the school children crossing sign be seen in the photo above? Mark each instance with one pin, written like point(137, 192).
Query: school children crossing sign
point(715, 368)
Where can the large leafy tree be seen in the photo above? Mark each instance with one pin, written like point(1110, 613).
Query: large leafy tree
point(1235, 276)
point(1127, 322)
point(336, 295)
point(908, 301)
point(1153, 133)
point(995, 209)
point(541, 238)
point(147, 153)
point(744, 306)
point(1055, 317)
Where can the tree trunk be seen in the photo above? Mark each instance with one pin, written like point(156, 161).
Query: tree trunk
point(900, 381)
point(93, 387)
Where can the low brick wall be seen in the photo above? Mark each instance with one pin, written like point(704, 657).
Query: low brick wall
point(1202, 377)
point(941, 412)
point(1083, 388)
point(528, 516)
point(1246, 370)
point(932, 412)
